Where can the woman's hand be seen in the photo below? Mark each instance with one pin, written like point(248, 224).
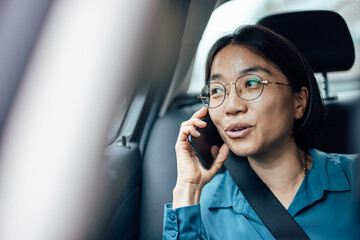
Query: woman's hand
point(191, 175)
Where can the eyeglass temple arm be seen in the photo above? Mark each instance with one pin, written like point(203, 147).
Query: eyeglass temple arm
point(201, 97)
point(279, 83)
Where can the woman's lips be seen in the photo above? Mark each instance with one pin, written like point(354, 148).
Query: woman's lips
point(238, 130)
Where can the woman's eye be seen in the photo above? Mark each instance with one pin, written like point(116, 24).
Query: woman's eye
point(216, 91)
point(252, 83)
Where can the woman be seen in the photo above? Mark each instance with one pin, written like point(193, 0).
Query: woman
point(263, 98)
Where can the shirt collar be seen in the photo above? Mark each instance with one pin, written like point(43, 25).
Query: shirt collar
point(325, 175)
point(327, 167)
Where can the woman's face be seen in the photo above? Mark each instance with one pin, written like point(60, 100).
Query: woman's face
point(266, 123)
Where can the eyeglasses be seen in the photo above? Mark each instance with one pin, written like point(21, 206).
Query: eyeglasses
point(248, 87)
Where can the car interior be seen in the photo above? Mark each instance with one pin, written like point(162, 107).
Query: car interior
point(324, 39)
point(136, 167)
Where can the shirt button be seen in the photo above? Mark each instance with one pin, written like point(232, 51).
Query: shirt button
point(173, 234)
point(172, 217)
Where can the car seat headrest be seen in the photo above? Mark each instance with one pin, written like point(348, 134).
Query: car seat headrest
point(322, 36)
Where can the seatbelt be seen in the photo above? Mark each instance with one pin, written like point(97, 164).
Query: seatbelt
point(268, 208)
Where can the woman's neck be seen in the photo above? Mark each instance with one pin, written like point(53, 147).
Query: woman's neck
point(282, 171)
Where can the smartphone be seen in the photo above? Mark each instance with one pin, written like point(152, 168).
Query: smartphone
point(209, 136)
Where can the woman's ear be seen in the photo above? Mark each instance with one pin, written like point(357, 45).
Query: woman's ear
point(300, 102)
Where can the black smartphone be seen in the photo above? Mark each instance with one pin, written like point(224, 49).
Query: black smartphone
point(209, 136)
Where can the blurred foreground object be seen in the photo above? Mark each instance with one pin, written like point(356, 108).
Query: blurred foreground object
point(52, 144)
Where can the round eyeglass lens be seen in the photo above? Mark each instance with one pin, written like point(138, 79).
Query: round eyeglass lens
point(249, 87)
point(213, 94)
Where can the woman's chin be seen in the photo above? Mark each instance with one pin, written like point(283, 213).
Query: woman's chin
point(242, 151)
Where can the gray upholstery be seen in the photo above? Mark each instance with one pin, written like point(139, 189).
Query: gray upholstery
point(159, 170)
point(342, 126)
point(322, 36)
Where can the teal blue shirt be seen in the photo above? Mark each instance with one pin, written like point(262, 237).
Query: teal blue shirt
point(322, 207)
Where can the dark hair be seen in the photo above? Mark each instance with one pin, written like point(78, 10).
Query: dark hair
point(281, 53)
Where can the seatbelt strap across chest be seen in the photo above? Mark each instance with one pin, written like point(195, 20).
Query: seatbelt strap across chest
point(268, 208)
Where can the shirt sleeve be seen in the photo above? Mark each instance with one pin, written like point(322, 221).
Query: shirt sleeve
point(182, 223)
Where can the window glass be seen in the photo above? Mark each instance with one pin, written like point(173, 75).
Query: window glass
point(116, 122)
point(226, 18)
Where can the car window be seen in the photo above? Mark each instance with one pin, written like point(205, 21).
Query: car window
point(233, 14)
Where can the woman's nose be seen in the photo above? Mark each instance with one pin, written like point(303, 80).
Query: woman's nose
point(233, 103)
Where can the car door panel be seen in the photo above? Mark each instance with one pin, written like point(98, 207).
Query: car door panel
point(123, 179)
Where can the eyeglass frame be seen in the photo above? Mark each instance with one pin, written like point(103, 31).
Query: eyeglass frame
point(263, 82)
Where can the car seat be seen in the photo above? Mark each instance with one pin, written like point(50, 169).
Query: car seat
point(325, 41)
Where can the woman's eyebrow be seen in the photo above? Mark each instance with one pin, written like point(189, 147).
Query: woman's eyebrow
point(215, 76)
point(255, 69)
